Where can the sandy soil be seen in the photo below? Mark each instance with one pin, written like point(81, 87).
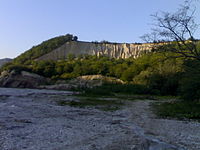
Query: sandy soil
point(33, 120)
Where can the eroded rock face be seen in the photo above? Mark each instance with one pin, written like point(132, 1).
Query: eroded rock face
point(114, 50)
point(21, 80)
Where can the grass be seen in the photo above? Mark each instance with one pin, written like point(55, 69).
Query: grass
point(122, 91)
point(108, 97)
point(102, 104)
point(118, 93)
point(132, 97)
point(113, 89)
point(179, 110)
point(166, 97)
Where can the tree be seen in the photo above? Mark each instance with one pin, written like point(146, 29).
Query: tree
point(70, 56)
point(176, 31)
point(75, 38)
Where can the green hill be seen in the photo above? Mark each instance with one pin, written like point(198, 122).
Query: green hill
point(4, 61)
point(43, 48)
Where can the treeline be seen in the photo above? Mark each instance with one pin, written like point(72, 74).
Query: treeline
point(162, 73)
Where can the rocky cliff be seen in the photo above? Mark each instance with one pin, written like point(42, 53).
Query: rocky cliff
point(23, 79)
point(115, 50)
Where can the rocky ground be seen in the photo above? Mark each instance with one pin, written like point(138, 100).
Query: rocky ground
point(34, 120)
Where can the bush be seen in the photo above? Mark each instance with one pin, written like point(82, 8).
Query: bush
point(179, 109)
point(17, 68)
point(112, 89)
point(190, 85)
point(67, 76)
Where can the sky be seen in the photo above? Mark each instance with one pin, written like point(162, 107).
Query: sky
point(25, 23)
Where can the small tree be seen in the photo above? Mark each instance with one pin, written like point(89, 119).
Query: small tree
point(75, 38)
point(176, 30)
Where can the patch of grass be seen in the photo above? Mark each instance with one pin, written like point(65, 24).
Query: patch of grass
point(179, 109)
point(113, 89)
point(133, 97)
point(166, 97)
point(102, 104)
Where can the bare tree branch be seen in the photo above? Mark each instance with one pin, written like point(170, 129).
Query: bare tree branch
point(177, 30)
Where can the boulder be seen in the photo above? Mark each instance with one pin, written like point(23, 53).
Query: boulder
point(23, 79)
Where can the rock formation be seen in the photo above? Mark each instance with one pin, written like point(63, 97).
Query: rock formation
point(21, 80)
point(114, 50)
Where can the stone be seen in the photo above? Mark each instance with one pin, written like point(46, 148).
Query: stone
point(21, 80)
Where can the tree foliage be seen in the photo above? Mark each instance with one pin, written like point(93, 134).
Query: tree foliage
point(190, 85)
point(152, 70)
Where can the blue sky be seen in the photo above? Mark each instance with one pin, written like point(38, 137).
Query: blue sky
point(25, 23)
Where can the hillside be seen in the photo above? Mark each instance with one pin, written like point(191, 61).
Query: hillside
point(60, 47)
point(5, 60)
point(153, 71)
point(44, 48)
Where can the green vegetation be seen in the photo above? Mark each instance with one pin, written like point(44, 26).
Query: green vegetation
point(157, 73)
point(115, 89)
point(190, 83)
point(160, 73)
point(151, 73)
point(43, 48)
point(173, 69)
point(179, 110)
point(102, 104)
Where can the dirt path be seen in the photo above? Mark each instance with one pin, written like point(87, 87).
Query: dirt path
point(33, 120)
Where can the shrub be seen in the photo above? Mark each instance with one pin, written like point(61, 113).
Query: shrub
point(190, 85)
point(111, 89)
point(179, 109)
point(17, 68)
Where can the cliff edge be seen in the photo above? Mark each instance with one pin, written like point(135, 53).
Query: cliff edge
point(113, 50)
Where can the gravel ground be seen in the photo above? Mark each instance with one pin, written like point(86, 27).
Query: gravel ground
point(184, 134)
point(32, 120)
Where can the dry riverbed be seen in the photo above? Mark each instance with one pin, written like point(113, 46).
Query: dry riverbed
point(36, 120)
